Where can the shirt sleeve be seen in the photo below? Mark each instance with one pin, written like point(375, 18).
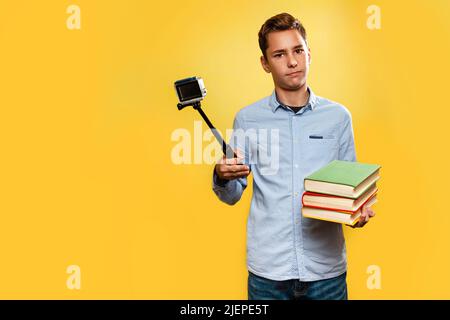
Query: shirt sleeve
point(230, 191)
point(347, 143)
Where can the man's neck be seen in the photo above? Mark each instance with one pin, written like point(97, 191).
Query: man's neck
point(295, 98)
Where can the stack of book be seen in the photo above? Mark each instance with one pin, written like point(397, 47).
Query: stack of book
point(338, 191)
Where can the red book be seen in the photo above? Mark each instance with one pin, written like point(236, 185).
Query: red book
point(338, 216)
point(331, 202)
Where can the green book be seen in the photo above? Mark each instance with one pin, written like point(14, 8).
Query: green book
point(343, 178)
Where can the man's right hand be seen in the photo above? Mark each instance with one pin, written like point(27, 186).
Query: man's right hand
point(233, 168)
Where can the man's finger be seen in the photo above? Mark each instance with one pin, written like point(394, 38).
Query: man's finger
point(242, 174)
point(357, 225)
point(363, 213)
point(369, 213)
point(229, 170)
point(233, 175)
point(233, 161)
point(237, 168)
point(230, 161)
point(361, 222)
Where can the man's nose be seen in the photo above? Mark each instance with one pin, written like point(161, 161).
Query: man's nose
point(292, 62)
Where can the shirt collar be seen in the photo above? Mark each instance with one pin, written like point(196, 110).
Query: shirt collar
point(312, 100)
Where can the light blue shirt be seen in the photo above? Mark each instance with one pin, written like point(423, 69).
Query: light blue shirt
point(281, 243)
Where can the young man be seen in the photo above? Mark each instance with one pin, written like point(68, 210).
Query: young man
point(288, 256)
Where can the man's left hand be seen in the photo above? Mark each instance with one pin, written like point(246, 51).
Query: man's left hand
point(366, 214)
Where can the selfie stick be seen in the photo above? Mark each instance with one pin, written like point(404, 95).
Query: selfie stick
point(227, 151)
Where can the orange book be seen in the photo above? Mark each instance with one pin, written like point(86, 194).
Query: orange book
point(337, 216)
point(331, 202)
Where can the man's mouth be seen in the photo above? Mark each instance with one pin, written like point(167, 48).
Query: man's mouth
point(293, 74)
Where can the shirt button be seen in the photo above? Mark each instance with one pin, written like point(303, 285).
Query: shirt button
point(296, 194)
point(296, 165)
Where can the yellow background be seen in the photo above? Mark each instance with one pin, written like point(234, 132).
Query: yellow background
point(85, 131)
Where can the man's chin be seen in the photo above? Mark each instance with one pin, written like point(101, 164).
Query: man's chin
point(294, 86)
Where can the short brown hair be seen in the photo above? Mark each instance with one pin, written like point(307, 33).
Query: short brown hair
point(280, 22)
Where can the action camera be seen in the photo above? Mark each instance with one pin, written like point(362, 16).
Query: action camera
point(190, 90)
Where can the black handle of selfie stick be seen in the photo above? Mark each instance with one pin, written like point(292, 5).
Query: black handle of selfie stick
point(227, 150)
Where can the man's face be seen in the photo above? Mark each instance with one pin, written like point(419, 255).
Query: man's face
point(288, 59)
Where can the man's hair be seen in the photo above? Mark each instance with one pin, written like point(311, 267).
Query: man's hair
point(280, 22)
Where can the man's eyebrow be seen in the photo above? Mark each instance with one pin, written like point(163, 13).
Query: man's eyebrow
point(300, 46)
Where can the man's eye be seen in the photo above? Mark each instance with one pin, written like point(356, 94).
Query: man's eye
point(299, 50)
point(278, 55)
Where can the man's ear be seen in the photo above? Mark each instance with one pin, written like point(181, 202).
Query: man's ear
point(309, 55)
point(264, 64)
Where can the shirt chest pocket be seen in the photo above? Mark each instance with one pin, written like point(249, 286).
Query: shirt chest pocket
point(320, 148)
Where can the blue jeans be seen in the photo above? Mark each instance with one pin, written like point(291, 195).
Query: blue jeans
point(260, 288)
